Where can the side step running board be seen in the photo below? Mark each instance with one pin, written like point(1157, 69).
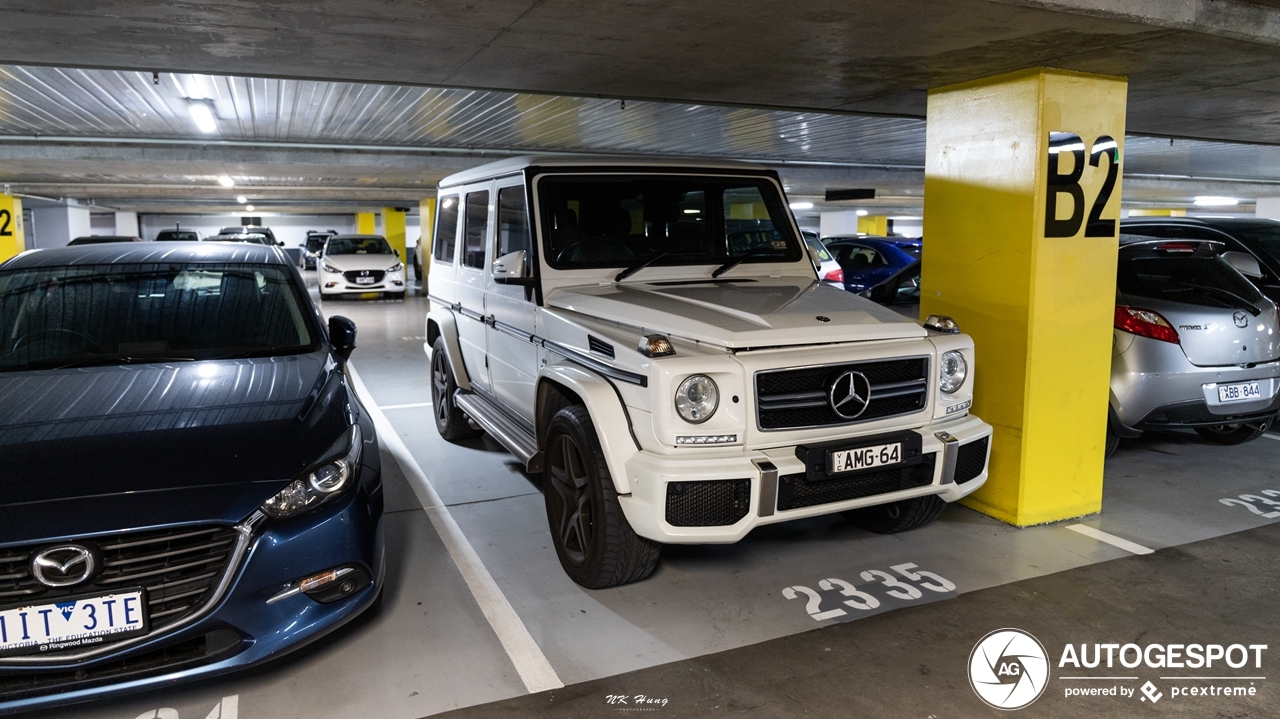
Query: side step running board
point(507, 432)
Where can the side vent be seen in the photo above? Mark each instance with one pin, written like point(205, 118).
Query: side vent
point(600, 347)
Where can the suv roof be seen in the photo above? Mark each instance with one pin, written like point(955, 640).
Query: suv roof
point(516, 164)
point(1221, 223)
point(133, 252)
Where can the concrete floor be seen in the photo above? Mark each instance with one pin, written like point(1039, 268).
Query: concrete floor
point(430, 648)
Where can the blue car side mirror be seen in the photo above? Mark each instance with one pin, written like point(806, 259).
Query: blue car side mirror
point(342, 335)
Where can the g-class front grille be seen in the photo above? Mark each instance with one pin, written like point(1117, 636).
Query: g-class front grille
point(795, 398)
point(179, 568)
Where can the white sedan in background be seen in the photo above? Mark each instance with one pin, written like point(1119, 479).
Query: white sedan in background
point(359, 264)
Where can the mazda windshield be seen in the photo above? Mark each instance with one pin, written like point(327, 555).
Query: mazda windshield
point(131, 313)
point(637, 221)
point(358, 246)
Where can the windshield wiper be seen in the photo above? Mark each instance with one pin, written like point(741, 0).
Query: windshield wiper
point(1253, 310)
point(639, 266)
point(734, 262)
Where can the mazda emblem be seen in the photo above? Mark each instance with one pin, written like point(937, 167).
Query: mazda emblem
point(1241, 319)
point(63, 566)
point(850, 394)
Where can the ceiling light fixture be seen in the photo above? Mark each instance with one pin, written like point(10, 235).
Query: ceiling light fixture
point(802, 205)
point(862, 213)
point(203, 116)
point(241, 199)
point(1215, 201)
point(226, 181)
point(248, 208)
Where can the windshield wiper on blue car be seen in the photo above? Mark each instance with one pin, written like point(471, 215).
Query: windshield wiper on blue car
point(734, 262)
point(639, 266)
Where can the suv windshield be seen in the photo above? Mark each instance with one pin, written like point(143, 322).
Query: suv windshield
point(605, 221)
point(119, 314)
point(176, 236)
point(1196, 280)
point(358, 246)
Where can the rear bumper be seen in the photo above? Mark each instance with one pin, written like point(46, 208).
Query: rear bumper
point(756, 491)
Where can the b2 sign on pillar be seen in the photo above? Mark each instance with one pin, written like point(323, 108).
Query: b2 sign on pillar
point(1104, 155)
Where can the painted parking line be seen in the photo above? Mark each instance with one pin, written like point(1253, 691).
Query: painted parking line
point(534, 669)
point(1111, 539)
point(1268, 435)
point(411, 405)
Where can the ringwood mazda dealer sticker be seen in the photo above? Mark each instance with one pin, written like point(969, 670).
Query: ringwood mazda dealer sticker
point(1010, 669)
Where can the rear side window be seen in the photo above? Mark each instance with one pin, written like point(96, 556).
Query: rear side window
point(477, 221)
point(447, 230)
point(513, 221)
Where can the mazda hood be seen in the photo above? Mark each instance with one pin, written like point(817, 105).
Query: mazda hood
point(348, 263)
point(741, 314)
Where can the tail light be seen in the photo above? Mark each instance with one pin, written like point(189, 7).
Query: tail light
point(1145, 323)
point(835, 276)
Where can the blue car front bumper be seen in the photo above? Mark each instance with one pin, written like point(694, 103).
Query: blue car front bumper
point(236, 628)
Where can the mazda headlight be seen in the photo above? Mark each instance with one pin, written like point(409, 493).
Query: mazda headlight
point(396, 267)
point(952, 371)
point(325, 479)
point(330, 268)
point(697, 398)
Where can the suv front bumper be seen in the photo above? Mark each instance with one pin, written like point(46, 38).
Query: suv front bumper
point(757, 473)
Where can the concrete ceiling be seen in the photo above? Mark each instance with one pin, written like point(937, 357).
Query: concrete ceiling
point(1197, 68)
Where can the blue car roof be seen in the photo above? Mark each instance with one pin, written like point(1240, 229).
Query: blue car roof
point(148, 252)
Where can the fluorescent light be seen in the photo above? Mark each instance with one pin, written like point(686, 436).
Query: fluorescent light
point(248, 208)
point(692, 211)
point(862, 213)
point(203, 117)
point(226, 181)
point(241, 199)
point(1214, 201)
point(802, 205)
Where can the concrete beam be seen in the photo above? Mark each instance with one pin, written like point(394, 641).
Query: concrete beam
point(1249, 21)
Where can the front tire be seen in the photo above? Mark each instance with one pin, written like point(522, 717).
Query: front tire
point(1237, 433)
point(451, 422)
point(1113, 442)
point(900, 516)
point(594, 541)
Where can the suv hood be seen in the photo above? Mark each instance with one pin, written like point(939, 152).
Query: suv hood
point(107, 448)
point(738, 314)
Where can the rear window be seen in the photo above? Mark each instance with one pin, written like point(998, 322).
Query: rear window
point(1190, 279)
point(121, 313)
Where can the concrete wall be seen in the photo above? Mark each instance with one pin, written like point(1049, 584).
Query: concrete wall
point(290, 228)
point(1268, 207)
point(58, 225)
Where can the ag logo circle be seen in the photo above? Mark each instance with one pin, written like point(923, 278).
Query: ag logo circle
point(1008, 669)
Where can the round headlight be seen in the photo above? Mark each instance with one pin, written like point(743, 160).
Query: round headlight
point(697, 398)
point(952, 372)
point(330, 477)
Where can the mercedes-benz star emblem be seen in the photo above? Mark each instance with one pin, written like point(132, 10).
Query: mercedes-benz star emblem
point(1241, 319)
point(63, 566)
point(850, 394)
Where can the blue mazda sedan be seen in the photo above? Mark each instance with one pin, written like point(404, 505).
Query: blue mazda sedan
point(867, 261)
point(189, 484)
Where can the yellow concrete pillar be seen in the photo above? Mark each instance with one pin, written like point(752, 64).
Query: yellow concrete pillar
point(393, 224)
point(12, 238)
point(366, 223)
point(873, 225)
point(1021, 215)
point(1158, 213)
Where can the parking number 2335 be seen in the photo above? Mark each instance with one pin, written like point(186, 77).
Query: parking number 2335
point(1104, 154)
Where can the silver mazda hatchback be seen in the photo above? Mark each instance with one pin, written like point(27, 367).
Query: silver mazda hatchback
point(1195, 343)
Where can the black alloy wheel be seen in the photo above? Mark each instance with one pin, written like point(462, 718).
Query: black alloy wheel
point(596, 545)
point(1235, 433)
point(451, 422)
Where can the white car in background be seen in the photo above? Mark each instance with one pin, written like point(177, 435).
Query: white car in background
point(359, 264)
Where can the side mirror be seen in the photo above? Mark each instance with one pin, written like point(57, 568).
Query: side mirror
point(510, 268)
point(881, 294)
point(1245, 263)
point(342, 335)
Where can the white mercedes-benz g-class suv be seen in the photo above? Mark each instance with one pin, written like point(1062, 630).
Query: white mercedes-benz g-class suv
point(654, 339)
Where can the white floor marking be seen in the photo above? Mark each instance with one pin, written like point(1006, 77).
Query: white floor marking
point(1111, 539)
point(536, 672)
point(405, 406)
point(1271, 436)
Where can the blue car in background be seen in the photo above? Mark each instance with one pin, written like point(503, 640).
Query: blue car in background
point(867, 261)
point(190, 485)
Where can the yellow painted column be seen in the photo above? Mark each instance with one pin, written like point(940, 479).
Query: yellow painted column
point(12, 238)
point(366, 223)
point(393, 224)
point(1021, 215)
point(873, 225)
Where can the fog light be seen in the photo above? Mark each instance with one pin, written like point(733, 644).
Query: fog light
point(397, 283)
point(327, 586)
point(330, 285)
point(707, 439)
